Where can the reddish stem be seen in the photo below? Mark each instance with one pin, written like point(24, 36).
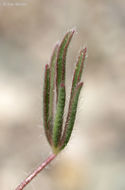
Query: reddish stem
point(35, 172)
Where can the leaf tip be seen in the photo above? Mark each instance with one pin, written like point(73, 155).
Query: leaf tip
point(46, 66)
point(73, 30)
point(62, 85)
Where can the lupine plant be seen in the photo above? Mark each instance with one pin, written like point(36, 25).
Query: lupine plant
point(58, 131)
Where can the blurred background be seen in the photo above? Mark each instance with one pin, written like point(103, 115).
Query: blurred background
point(95, 157)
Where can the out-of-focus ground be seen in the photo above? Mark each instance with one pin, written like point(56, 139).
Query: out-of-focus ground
point(95, 157)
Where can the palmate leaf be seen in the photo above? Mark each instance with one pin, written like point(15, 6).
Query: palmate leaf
point(57, 135)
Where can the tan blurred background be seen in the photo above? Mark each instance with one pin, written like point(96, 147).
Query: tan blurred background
point(95, 157)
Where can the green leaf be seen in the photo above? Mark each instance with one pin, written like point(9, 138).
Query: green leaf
point(58, 122)
point(52, 82)
point(78, 70)
point(46, 102)
point(71, 116)
point(61, 60)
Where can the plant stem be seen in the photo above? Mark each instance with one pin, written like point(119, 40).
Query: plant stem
point(35, 172)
